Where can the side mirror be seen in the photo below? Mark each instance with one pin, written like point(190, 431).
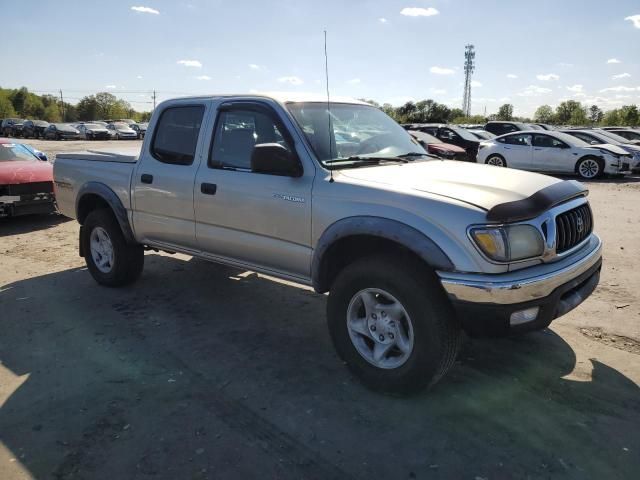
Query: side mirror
point(274, 159)
point(42, 156)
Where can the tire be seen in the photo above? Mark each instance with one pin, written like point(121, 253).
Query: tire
point(427, 324)
point(124, 262)
point(496, 160)
point(589, 168)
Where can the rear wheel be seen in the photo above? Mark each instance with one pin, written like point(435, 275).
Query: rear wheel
point(496, 160)
point(110, 259)
point(589, 167)
point(392, 325)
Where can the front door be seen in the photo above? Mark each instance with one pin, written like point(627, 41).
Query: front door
point(552, 155)
point(254, 219)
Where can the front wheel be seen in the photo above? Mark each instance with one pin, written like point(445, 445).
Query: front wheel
point(110, 259)
point(589, 168)
point(496, 160)
point(392, 325)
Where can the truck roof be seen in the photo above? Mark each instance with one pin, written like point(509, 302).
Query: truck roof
point(280, 97)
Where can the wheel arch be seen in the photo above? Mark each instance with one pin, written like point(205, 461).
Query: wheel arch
point(595, 157)
point(95, 195)
point(355, 237)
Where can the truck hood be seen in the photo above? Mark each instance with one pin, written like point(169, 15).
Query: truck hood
point(483, 186)
point(14, 172)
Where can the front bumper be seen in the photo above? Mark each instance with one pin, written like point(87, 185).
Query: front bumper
point(485, 303)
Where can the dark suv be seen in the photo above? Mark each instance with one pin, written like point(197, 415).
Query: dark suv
point(34, 128)
point(11, 127)
point(450, 134)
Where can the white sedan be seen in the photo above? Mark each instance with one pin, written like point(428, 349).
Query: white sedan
point(554, 152)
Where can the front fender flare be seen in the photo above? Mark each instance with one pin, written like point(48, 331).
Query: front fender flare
point(109, 196)
point(401, 233)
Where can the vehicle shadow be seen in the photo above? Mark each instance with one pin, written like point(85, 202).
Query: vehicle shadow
point(203, 371)
point(29, 223)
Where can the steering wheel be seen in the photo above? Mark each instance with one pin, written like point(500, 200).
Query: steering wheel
point(375, 143)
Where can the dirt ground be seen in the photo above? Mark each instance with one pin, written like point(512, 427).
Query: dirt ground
point(200, 371)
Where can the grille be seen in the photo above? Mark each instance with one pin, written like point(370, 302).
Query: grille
point(27, 188)
point(572, 227)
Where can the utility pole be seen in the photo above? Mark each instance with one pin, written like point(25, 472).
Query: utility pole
point(62, 105)
point(469, 67)
point(154, 99)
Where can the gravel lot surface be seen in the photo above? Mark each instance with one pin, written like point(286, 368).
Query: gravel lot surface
point(202, 371)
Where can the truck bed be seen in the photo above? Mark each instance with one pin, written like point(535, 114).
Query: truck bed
point(118, 155)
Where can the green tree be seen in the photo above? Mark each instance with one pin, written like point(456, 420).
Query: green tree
point(629, 115)
point(578, 117)
point(505, 112)
point(565, 111)
point(88, 108)
point(52, 113)
point(18, 99)
point(544, 114)
point(33, 107)
point(595, 114)
point(6, 108)
point(611, 118)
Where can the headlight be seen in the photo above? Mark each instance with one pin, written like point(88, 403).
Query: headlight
point(510, 243)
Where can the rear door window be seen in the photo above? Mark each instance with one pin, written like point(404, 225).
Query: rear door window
point(176, 134)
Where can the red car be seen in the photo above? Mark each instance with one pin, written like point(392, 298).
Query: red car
point(26, 182)
point(438, 148)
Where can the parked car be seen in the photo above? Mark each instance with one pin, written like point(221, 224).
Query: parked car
point(554, 152)
point(93, 131)
point(498, 127)
point(412, 249)
point(61, 131)
point(450, 134)
point(34, 128)
point(482, 134)
point(26, 182)
point(437, 147)
point(599, 137)
point(628, 133)
point(545, 126)
point(12, 127)
point(140, 128)
point(121, 131)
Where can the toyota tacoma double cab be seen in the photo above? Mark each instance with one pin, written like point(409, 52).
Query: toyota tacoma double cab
point(412, 249)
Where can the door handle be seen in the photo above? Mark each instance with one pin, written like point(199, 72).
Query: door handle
point(208, 188)
point(146, 178)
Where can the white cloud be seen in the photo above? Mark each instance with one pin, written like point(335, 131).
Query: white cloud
point(565, 64)
point(419, 12)
point(623, 96)
point(575, 88)
point(203, 77)
point(635, 19)
point(547, 77)
point(354, 81)
point(512, 75)
point(145, 10)
point(382, 20)
point(505, 99)
point(190, 63)
point(139, 77)
point(475, 83)
point(292, 80)
point(620, 89)
point(254, 66)
point(613, 60)
point(441, 70)
point(621, 75)
point(534, 91)
point(110, 87)
point(580, 94)
point(438, 91)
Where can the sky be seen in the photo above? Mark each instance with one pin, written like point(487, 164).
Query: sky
point(527, 53)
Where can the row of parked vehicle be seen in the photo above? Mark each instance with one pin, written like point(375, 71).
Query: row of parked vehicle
point(124, 129)
point(585, 151)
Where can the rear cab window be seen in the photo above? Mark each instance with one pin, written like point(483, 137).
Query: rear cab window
point(176, 134)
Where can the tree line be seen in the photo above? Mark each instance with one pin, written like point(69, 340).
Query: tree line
point(22, 103)
point(569, 112)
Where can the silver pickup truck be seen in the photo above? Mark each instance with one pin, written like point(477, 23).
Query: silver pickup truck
point(413, 250)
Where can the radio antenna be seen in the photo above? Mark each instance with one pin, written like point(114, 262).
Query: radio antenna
point(326, 73)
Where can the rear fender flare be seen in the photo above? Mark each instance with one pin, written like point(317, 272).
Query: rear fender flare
point(110, 197)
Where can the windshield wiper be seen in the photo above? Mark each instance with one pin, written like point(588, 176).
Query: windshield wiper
point(413, 154)
point(366, 160)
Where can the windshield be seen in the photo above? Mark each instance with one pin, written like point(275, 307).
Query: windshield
point(12, 152)
point(463, 133)
point(92, 125)
point(614, 136)
point(354, 130)
point(121, 125)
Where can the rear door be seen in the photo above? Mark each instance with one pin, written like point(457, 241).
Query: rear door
point(165, 174)
point(254, 219)
point(516, 149)
point(552, 155)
